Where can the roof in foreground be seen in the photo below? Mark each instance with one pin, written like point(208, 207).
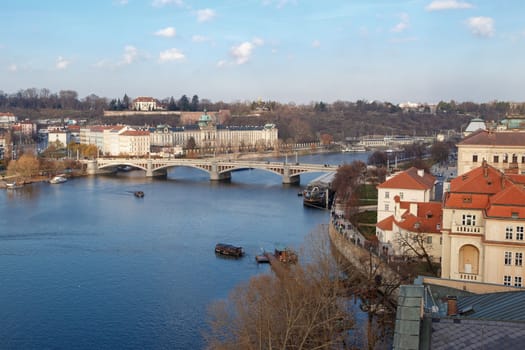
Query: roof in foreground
point(494, 138)
point(410, 179)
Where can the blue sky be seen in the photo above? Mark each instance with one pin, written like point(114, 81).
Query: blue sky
point(284, 50)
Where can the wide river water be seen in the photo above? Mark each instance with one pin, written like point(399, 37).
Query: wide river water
point(86, 265)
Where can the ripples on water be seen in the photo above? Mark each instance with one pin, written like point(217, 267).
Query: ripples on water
point(86, 265)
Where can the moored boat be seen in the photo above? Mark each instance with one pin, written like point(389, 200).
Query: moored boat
point(58, 179)
point(14, 185)
point(229, 250)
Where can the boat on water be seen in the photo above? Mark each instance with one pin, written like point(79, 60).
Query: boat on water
point(58, 179)
point(229, 250)
point(318, 193)
point(354, 149)
point(14, 185)
point(138, 194)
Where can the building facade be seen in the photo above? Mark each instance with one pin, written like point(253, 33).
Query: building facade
point(504, 150)
point(143, 103)
point(483, 227)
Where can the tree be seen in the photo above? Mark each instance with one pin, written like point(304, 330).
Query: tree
point(378, 158)
point(172, 106)
point(417, 244)
point(346, 182)
point(125, 102)
point(300, 307)
point(191, 144)
point(25, 167)
point(194, 106)
point(326, 139)
point(440, 151)
point(184, 103)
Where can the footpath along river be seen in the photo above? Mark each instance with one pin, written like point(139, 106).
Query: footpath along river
point(86, 265)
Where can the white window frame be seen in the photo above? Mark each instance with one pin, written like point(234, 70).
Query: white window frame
point(508, 258)
point(507, 280)
point(509, 232)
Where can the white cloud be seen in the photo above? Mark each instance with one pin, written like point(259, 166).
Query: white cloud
point(402, 25)
point(278, 3)
point(222, 63)
point(316, 43)
point(258, 41)
point(205, 15)
point(161, 3)
point(439, 5)
point(481, 26)
point(242, 52)
point(12, 68)
point(171, 55)
point(130, 54)
point(62, 63)
point(168, 32)
point(199, 38)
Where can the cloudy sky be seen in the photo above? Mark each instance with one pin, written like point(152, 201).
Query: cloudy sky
point(285, 50)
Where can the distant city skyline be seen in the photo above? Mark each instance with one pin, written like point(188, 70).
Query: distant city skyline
point(284, 50)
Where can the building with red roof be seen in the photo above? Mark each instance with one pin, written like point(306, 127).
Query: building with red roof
point(412, 185)
point(504, 150)
point(483, 228)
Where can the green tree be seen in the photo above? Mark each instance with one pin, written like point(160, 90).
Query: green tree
point(172, 106)
point(184, 103)
point(194, 106)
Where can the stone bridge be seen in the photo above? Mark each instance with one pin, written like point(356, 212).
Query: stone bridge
point(219, 169)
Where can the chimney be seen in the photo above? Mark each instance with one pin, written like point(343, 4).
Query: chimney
point(421, 172)
point(452, 305)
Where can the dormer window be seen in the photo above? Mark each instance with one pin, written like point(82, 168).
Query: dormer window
point(467, 199)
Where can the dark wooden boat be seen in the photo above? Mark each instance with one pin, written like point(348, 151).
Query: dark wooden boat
point(262, 259)
point(229, 250)
point(139, 194)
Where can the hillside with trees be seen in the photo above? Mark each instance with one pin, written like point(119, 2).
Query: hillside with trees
point(298, 123)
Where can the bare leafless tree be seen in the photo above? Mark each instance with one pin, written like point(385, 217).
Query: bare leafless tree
point(304, 307)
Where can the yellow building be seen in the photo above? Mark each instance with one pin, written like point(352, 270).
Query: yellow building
point(484, 226)
point(504, 150)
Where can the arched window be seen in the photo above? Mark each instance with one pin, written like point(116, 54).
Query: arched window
point(468, 259)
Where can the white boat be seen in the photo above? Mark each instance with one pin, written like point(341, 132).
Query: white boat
point(14, 185)
point(58, 179)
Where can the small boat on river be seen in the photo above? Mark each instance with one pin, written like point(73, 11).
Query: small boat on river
point(14, 185)
point(229, 250)
point(58, 179)
point(139, 194)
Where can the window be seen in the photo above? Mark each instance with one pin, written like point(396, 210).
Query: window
point(401, 195)
point(517, 281)
point(519, 259)
point(469, 220)
point(475, 158)
point(441, 240)
point(508, 258)
point(519, 233)
point(429, 239)
point(387, 195)
point(523, 159)
point(387, 208)
point(514, 158)
point(496, 159)
point(505, 158)
point(508, 232)
point(506, 280)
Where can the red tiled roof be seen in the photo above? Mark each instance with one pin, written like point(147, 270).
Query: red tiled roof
point(494, 138)
point(499, 211)
point(410, 180)
point(386, 224)
point(135, 133)
point(144, 99)
point(428, 217)
point(511, 195)
point(467, 200)
point(483, 179)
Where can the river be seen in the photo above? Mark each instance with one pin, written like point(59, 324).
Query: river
point(86, 265)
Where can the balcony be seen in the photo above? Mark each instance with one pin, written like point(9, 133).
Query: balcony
point(477, 230)
point(469, 276)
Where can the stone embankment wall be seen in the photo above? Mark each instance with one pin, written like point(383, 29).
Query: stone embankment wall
point(366, 263)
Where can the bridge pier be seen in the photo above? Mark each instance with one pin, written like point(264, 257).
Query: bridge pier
point(92, 167)
point(149, 168)
point(290, 179)
point(215, 175)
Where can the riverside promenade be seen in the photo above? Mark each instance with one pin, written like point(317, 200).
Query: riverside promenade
point(352, 245)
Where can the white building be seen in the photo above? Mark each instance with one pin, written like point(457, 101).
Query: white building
point(134, 143)
point(145, 104)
